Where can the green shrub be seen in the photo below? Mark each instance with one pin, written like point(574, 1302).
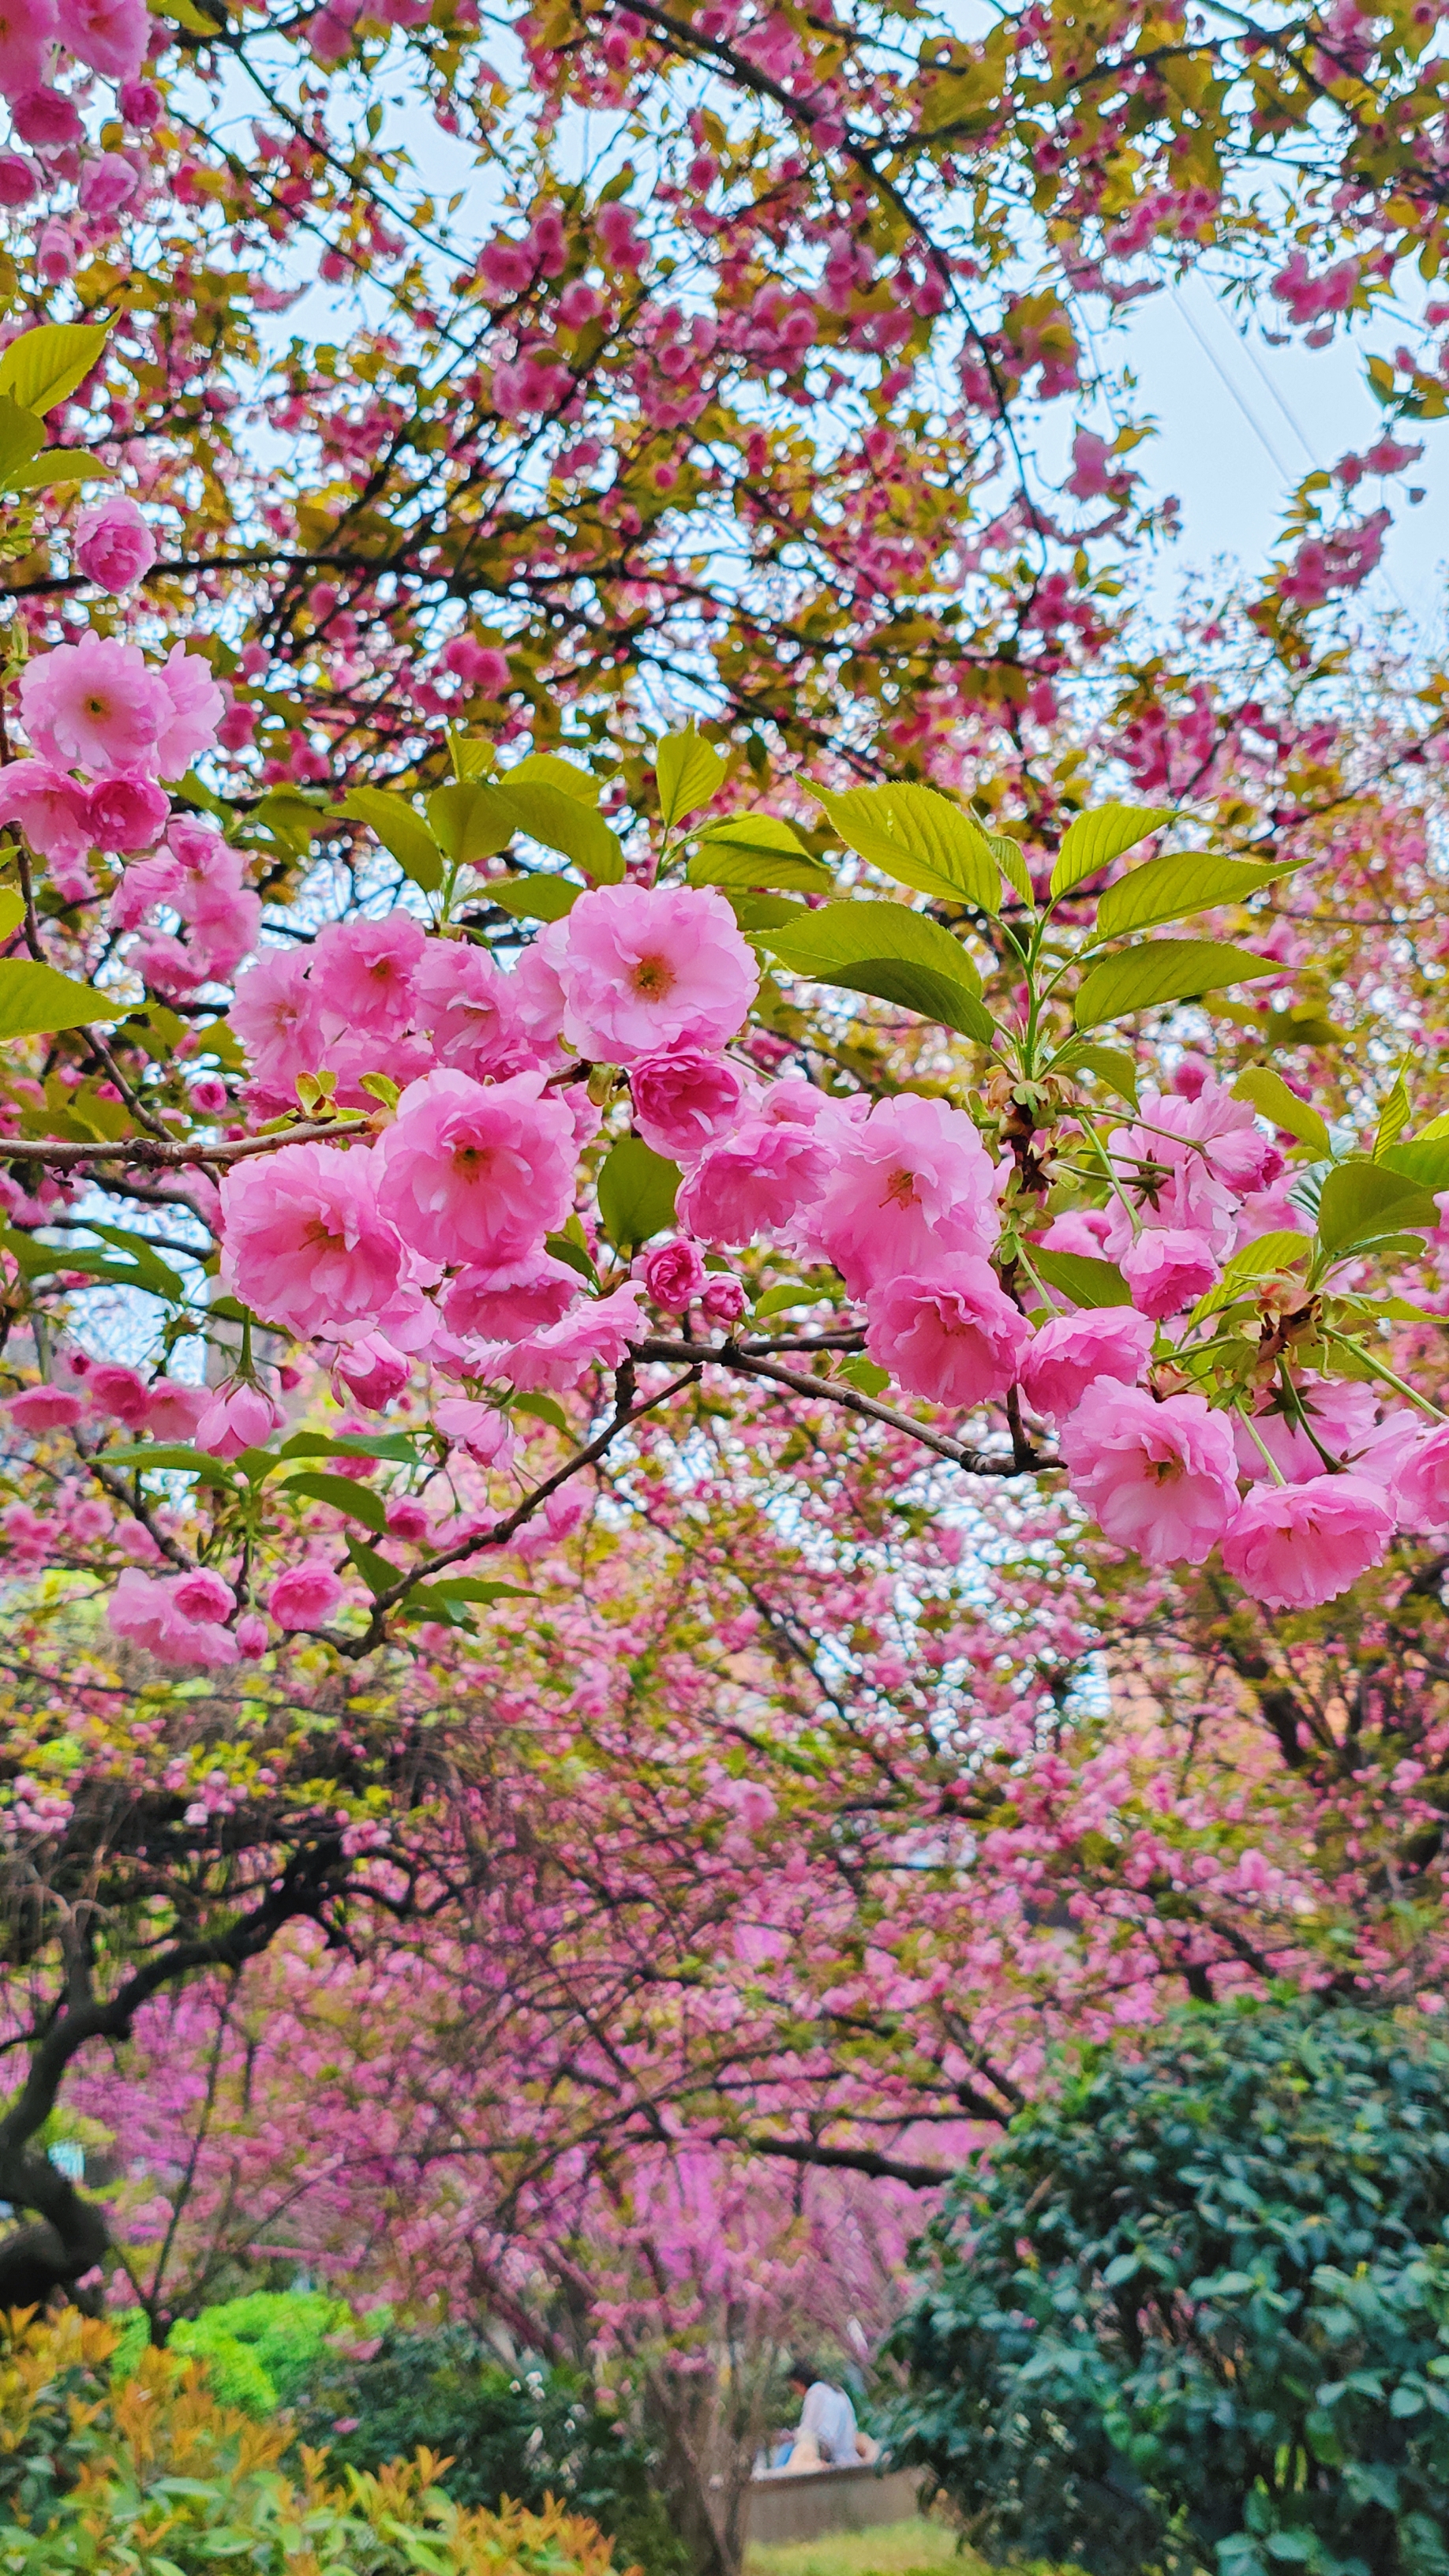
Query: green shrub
point(1196, 2308)
point(260, 2351)
point(526, 2433)
point(173, 2484)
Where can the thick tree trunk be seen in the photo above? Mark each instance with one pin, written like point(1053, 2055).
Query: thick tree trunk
point(55, 2250)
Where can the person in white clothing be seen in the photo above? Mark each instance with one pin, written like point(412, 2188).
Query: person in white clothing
point(829, 2437)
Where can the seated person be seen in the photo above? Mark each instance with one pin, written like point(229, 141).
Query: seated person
point(829, 2437)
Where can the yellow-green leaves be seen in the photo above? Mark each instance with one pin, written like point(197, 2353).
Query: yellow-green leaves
point(1095, 839)
point(636, 1193)
point(1165, 970)
point(1364, 1202)
point(1080, 1276)
point(44, 366)
point(401, 830)
point(1269, 1093)
point(756, 850)
point(921, 839)
point(1170, 889)
point(882, 948)
point(34, 1000)
point(688, 772)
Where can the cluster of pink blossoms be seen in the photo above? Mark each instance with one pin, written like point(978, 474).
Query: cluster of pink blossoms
point(431, 1244)
point(41, 42)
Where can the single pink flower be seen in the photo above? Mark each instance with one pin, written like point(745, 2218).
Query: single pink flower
point(477, 1173)
point(195, 708)
point(44, 1408)
point(912, 1186)
point(595, 1334)
point(1185, 1163)
point(1072, 1350)
point(951, 1336)
point(120, 1391)
point(126, 811)
point(1160, 1478)
point(479, 1428)
point(304, 1596)
point(203, 1594)
point(50, 808)
point(275, 1015)
point(114, 546)
point(1343, 1419)
point(372, 1371)
point(1292, 1546)
point(479, 666)
point(27, 30)
point(1167, 1269)
point(362, 975)
point(648, 969)
point(244, 1417)
point(470, 1009)
point(140, 103)
point(409, 1520)
point(758, 1181)
point(94, 705)
point(252, 1639)
point(109, 35)
point(107, 184)
point(1422, 1482)
point(674, 1276)
point(305, 1241)
point(173, 1410)
point(685, 1101)
point(510, 1302)
point(724, 1297)
point(19, 178)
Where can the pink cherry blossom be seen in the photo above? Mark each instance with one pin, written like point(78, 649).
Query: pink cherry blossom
point(174, 1410)
point(110, 35)
point(195, 708)
point(145, 1611)
point(647, 969)
point(372, 1370)
point(951, 1336)
point(306, 1243)
point(51, 121)
point(470, 1009)
point(126, 811)
point(251, 1636)
point(478, 1174)
point(19, 178)
point(912, 1185)
point(95, 705)
point(244, 1417)
point(275, 1015)
point(757, 1182)
point(120, 1391)
point(1341, 1416)
point(684, 1101)
point(1422, 1482)
point(44, 1408)
point(508, 1303)
point(674, 1276)
point(1168, 1269)
point(1072, 1350)
point(1292, 1546)
point(50, 808)
point(304, 1596)
point(1159, 1478)
point(1185, 1163)
point(479, 1428)
point(724, 1297)
point(114, 545)
point(107, 184)
point(27, 30)
point(362, 974)
point(597, 1333)
point(203, 1594)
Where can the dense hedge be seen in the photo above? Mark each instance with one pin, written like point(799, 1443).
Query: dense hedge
point(1194, 2310)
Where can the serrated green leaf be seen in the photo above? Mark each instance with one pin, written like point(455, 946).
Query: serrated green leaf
point(637, 1190)
point(401, 829)
point(390, 1448)
point(35, 1001)
point(44, 366)
point(1267, 1253)
point(1393, 1118)
point(1095, 839)
point(1111, 1065)
point(1171, 889)
point(1011, 859)
point(1361, 1201)
point(12, 911)
point(688, 773)
point(777, 1301)
point(22, 436)
point(549, 769)
point(759, 912)
point(1423, 1159)
point(56, 465)
point(375, 1570)
point(172, 1456)
point(1087, 1281)
point(540, 898)
point(544, 1408)
point(1268, 1092)
point(757, 850)
point(1163, 970)
point(344, 1496)
point(471, 821)
point(865, 1375)
point(561, 822)
point(564, 1248)
point(882, 948)
point(921, 839)
point(471, 1587)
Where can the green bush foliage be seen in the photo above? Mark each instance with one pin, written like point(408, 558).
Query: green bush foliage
point(526, 2434)
point(260, 2351)
point(1194, 2311)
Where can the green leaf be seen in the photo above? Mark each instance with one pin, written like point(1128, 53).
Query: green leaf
point(544, 1408)
point(172, 1456)
point(540, 898)
point(1424, 1159)
point(401, 829)
point(344, 1496)
point(393, 1448)
point(884, 949)
point(777, 1301)
point(561, 822)
point(44, 366)
point(1011, 859)
point(1170, 889)
point(152, 1272)
point(688, 773)
point(1269, 1092)
point(1095, 839)
point(12, 911)
point(1361, 1201)
point(755, 912)
point(375, 1570)
point(41, 1260)
point(921, 839)
point(637, 1189)
point(1163, 970)
point(757, 850)
point(1280, 1250)
point(35, 1000)
point(1393, 1118)
point(58, 465)
point(471, 1587)
point(865, 1375)
point(564, 1248)
point(1111, 1065)
point(471, 821)
point(22, 436)
point(1077, 1275)
point(549, 770)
